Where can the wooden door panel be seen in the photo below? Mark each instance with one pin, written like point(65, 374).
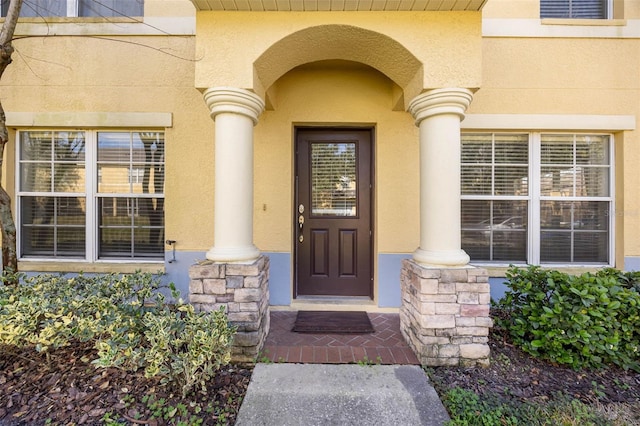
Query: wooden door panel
point(320, 253)
point(333, 202)
point(347, 253)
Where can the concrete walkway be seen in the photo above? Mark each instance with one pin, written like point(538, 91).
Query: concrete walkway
point(340, 394)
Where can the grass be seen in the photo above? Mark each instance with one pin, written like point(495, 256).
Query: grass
point(469, 409)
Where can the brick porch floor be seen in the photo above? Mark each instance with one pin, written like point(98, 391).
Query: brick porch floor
point(385, 346)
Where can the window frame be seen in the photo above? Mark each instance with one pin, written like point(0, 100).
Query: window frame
point(91, 194)
point(535, 199)
point(72, 11)
point(608, 11)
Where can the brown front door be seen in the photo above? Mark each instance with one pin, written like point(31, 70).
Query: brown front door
point(332, 226)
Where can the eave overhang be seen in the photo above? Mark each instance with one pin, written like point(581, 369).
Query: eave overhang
point(338, 5)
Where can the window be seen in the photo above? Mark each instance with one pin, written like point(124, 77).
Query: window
point(91, 195)
point(81, 8)
point(580, 9)
point(495, 187)
point(537, 198)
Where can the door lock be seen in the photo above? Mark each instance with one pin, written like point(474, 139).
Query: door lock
point(300, 222)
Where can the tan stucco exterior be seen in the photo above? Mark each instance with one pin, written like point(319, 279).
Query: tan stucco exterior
point(327, 68)
point(415, 50)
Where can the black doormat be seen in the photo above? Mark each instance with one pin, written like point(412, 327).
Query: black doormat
point(333, 322)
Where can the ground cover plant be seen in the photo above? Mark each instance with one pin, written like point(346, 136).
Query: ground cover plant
point(563, 352)
point(64, 338)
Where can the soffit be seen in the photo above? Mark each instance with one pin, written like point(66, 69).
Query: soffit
point(338, 5)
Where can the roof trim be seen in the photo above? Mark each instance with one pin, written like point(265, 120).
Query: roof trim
point(337, 5)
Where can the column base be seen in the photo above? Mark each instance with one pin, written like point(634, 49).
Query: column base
point(444, 315)
point(446, 258)
point(233, 254)
point(243, 291)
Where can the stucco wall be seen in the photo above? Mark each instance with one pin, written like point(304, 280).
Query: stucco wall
point(447, 43)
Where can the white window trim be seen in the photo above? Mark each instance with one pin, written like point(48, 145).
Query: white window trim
point(608, 12)
point(560, 28)
point(534, 200)
point(91, 195)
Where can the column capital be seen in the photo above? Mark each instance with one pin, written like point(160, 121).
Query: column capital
point(234, 100)
point(440, 101)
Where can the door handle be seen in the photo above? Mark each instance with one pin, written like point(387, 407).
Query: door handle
point(300, 222)
point(301, 226)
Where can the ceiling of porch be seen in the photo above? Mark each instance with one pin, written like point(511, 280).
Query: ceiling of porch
point(339, 5)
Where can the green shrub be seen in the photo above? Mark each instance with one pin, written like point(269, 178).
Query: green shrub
point(184, 347)
point(127, 318)
point(589, 320)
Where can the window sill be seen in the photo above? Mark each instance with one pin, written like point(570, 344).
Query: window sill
point(585, 22)
point(75, 19)
point(121, 26)
point(90, 267)
point(500, 271)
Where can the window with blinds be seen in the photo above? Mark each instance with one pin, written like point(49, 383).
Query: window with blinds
point(575, 200)
point(78, 8)
point(91, 195)
point(577, 9)
point(333, 179)
point(562, 182)
point(130, 195)
point(495, 192)
point(53, 198)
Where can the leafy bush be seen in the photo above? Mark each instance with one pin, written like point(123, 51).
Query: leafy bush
point(584, 321)
point(126, 316)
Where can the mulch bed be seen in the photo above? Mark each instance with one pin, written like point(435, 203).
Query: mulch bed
point(515, 374)
point(63, 387)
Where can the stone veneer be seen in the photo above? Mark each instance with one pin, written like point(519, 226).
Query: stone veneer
point(445, 314)
point(243, 290)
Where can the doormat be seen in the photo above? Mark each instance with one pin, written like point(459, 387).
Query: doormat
point(333, 322)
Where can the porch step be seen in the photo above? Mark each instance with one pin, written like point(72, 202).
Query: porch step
point(323, 394)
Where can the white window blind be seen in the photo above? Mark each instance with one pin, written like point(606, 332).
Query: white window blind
point(574, 198)
point(333, 179)
point(578, 9)
point(53, 200)
point(495, 192)
point(81, 8)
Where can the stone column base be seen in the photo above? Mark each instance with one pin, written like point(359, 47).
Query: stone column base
point(445, 314)
point(243, 290)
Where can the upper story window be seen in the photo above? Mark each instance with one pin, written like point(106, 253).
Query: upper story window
point(574, 9)
point(78, 8)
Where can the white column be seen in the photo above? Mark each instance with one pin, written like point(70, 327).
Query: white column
point(235, 112)
point(438, 114)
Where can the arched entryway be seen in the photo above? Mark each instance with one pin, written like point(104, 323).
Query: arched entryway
point(277, 76)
